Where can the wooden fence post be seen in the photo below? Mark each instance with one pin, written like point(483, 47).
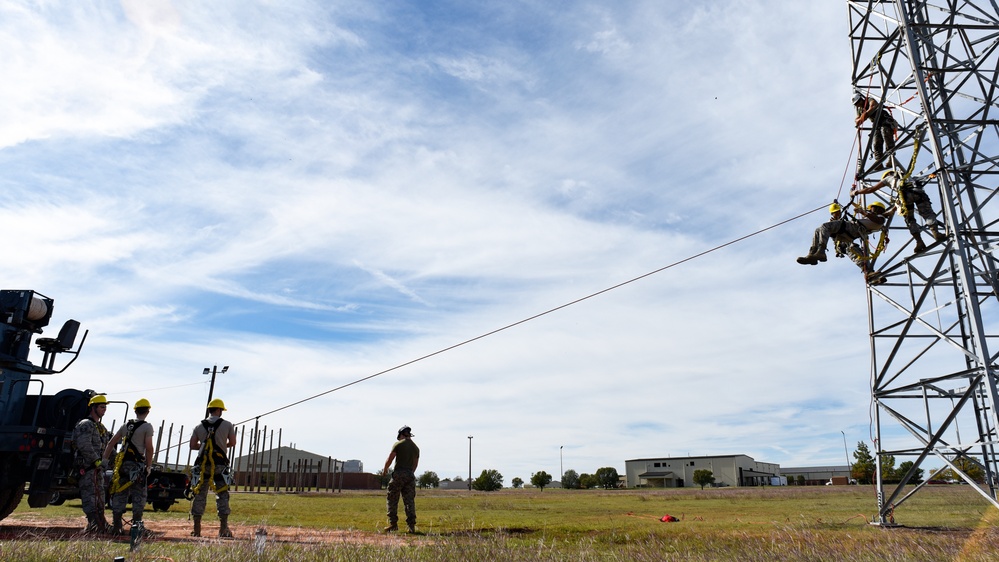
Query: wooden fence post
point(180, 441)
point(159, 441)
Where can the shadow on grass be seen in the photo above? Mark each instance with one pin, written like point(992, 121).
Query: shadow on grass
point(519, 531)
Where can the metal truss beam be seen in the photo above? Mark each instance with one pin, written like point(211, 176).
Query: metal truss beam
point(934, 323)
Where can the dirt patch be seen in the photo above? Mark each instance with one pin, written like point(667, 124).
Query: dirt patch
point(40, 528)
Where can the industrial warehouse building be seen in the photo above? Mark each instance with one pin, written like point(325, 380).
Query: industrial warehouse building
point(678, 472)
point(816, 475)
point(290, 467)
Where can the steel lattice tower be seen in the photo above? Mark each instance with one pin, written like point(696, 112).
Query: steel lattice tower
point(934, 322)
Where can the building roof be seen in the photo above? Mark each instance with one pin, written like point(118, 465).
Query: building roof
point(691, 457)
point(814, 468)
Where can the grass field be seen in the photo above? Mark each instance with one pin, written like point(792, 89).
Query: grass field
point(793, 523)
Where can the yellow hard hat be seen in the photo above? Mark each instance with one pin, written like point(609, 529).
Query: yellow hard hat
point(835, 208)
point(216, 403)
point(877, 204)
point(98, 399)
point(886, 174)
point(142, 403)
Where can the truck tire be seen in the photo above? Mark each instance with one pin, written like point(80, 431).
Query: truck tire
point(9, 499)
point(58, 498)
point(162, 505)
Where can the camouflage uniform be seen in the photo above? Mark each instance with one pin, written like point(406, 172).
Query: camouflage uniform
point(403, 483)
point(133, 469)
point(90, 438)
point(883, 127)
point(912, 197)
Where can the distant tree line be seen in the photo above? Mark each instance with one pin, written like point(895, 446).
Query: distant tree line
point(490, 480)
point(864, 469)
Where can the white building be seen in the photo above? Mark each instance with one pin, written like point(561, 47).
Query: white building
point(353, 465)
point(678, 472)
point(813, 475)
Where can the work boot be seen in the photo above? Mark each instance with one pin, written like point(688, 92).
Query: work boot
point(224, 531)
point(813, 257)
point(391, 528)
point(920, 246)
point(197, 526)
point(91, 527)
point(412, 529)
point(117, 529)
point(96, 523)
point(937, 234)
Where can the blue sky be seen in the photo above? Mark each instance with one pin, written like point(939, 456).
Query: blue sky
point(314, 192)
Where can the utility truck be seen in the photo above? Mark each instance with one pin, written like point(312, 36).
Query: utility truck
point(36, 456)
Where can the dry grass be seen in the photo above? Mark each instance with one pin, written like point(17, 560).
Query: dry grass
point(821, 523)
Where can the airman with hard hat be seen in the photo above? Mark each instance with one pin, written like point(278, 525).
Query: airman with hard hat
point(90, 438)
point(845, 232)
point(131, 466)
point(211, 438)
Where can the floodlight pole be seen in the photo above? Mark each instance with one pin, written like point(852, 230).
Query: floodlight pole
point(469, 463)
point(211, 387)
point(849, 471)
point(561, 471)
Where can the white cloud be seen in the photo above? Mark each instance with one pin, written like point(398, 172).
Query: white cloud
point(312, 197)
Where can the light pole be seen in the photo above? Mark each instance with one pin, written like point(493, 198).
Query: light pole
point(846, 452)
point(561, 471)
point(211, 388)
point(469, 463)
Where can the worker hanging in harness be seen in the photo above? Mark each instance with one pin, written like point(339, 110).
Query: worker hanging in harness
point(883, 125)
point(131, 466)
point(90, 438)
point(211, 438)
point(909, 196)
point(845, 232)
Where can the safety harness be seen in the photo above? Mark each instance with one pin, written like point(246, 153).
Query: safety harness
point(206, 460)
point(903, 207)
point(129, 452)
point(897, 200)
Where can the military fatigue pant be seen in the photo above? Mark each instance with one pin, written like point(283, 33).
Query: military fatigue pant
point(403, 483)
point(134, 472)
point(92, 491)
point(221, 498)
point(883, 137)
point(917, 198)
point(841, 230)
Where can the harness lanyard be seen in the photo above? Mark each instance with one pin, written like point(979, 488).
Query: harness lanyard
point(119, 459)
point(207, 464)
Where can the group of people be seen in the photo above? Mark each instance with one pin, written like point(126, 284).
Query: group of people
point(905, 193)
point(96, 451)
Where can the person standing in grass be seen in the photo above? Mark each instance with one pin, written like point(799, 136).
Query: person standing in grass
point(131, 466)
point(406, 455)
point(90, 437)
point(211, 438)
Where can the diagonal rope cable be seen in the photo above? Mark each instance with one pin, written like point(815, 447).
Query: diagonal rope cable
point(535, 317)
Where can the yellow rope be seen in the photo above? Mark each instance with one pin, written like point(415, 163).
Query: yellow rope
point(881, 245)
point(116, 485)
point(898, 201)
point(119, 459)
point(208, 462)
point(902, 205)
